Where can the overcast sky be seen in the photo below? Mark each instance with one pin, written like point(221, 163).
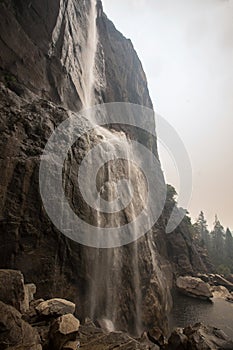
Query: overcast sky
point(186, 48)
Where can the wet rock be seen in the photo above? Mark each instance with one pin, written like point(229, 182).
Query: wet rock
point(36, 302)
point(145, 341)
point(229, 297)
point(230, 278)
point(63, 330)
point(194, 287)
point(177, 340)
point(201, 337)
point(156, 336)
point(55, 307)
point(30, 290)
point(31, 315)
point(72, 345)
point(204, 277)
point(12, 290)
point(16, 333)
point(218, 280)
point(93, 338)
point(106, 325)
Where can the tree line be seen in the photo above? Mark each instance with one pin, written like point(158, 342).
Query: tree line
point(218, 242)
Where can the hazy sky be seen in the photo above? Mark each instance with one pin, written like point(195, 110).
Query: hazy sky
point(186, 48)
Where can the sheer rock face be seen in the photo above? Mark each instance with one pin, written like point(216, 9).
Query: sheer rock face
point(14, 292)
point(42, 63)
point(56, 264)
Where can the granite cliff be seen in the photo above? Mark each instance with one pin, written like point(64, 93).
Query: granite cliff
point(45, 55)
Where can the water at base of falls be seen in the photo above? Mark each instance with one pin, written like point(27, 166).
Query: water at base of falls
point(187, 310)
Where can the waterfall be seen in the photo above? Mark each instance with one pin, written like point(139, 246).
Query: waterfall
point(108, 277)
point(88, 58)
point(105, 267)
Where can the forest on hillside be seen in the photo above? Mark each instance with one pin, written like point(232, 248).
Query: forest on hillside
point(218, 242)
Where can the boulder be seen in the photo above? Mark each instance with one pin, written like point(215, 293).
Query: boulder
point(218, 280)
point(94, 338)
point(146, 342)
point(71, 345)
point(55, 307)
point(177, 341)
point(155, 335)
point(29, 291)
point(12, 290)
point(64, 329)
point(229, 297)
point(16, 333)
point(220, 292)
point(194, 287)
point(204, 277)
point(230, 278)
point(201, 337)
point(105, 324)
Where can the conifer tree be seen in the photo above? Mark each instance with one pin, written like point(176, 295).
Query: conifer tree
point(201, 229)
point(229, 249)
point(218, 245)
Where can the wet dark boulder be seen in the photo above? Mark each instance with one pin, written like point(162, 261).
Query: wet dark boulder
point(201, 337)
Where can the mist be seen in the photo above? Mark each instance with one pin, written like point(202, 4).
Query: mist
point(186, 49)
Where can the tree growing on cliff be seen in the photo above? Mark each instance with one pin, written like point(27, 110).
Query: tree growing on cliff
point(201, 230)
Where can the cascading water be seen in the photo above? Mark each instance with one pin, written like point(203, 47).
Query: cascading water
point(105, 267)
point(107, 271)
point(88, 58)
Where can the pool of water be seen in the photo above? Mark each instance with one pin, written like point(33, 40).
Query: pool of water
point(187, 311)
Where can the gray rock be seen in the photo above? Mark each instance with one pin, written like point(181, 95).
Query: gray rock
point(72, 345)
point(93, 338)
point(55, 307)
point(177, 340)
point(12, 290)
point(16, 333)
point(194, 287)
point(220, 292)
point(221, 281)
point(201, 337)
point(29, 290)
point(156, 336)
point(229, 297)
point(63, 330)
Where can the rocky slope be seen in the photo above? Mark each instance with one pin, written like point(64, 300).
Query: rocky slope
point(28, 323)
point(43, 58)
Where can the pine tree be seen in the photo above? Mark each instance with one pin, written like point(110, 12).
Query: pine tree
point(201, 229)
point(229, 249)
point(218, 244)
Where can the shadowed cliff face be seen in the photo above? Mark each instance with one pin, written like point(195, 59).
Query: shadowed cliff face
point(43, 46)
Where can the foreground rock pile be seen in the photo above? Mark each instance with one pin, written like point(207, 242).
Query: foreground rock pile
point(199, 337)
point(36, 324)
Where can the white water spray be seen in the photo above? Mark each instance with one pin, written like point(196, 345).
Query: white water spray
point(88, 58)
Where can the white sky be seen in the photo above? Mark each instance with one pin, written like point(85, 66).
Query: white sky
point(186, 48)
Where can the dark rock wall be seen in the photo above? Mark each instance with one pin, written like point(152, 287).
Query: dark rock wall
point(39, 65)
